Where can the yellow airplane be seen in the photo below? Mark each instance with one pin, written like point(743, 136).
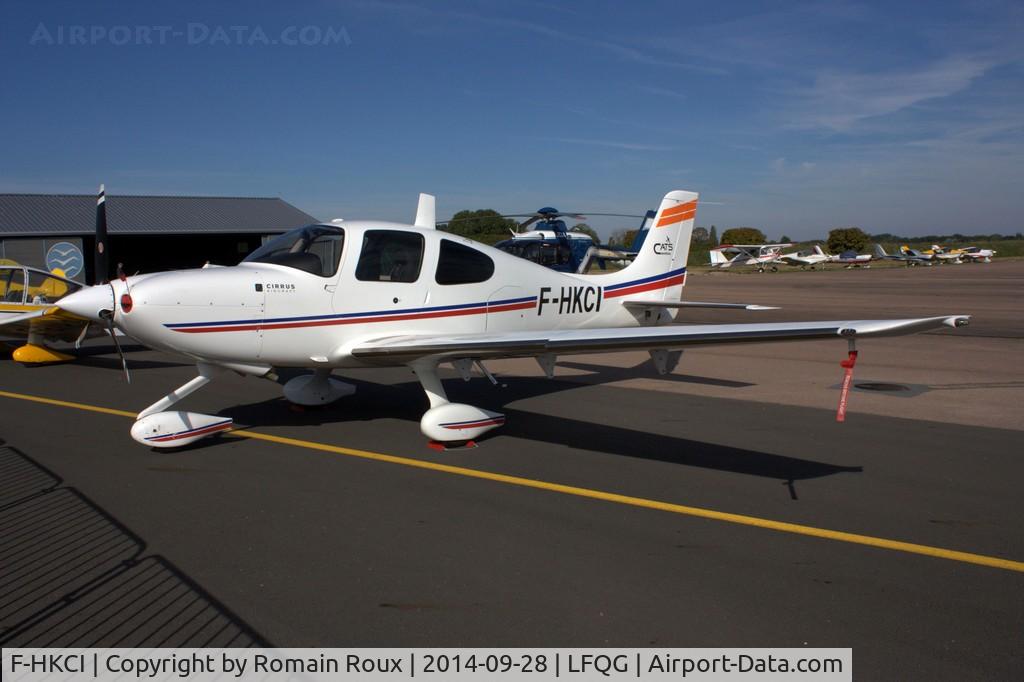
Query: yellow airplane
point(28, 298)
point(943, 254)
point(28, 311)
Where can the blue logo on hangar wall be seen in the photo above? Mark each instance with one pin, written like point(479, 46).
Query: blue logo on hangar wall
point(67, 257)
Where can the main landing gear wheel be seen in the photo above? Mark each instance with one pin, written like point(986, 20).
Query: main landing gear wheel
point(450, 424)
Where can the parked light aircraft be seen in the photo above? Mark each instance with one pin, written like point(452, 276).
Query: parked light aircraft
point(908, 256)
point(28, 312)
point(938, 254)
point(974, 254)
point(29, 309)
point(806, 258)
point(849, 258)
point(760, 256)
point(368, 293)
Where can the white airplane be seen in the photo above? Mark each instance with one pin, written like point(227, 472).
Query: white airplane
point(807, 258)
point(365, 293)
point(849, 258)
point(760, 256)
point(974, 254)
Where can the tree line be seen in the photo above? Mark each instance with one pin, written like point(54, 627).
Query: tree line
point(489, 227)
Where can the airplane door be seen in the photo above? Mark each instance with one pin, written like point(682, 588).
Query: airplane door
point(505, 309)
point(390, 277)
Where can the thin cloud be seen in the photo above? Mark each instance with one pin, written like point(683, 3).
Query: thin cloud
point(624, 52)
point(839, 100)
point(631, 146)
point(661, 92)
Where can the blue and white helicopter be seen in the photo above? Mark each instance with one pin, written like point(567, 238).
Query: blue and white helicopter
point(544, 238)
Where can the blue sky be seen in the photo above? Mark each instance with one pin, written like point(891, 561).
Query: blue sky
point(791, 117)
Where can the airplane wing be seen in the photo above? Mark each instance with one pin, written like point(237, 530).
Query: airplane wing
point(575, 341)
point(48, 321)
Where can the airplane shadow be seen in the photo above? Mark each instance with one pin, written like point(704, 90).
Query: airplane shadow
point(114, 363)
point(74, 576)
point(604, 374)
point(405, 401)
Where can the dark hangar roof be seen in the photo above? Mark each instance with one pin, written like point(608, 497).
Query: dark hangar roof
point(28, 215)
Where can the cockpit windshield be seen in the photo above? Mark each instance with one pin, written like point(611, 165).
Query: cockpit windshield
point(41, 287)
point(315, 249)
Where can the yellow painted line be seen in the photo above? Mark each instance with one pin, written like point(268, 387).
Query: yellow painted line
point(65, 403)
point(699, 512)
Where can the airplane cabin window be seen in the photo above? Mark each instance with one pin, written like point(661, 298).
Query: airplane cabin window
point(12, 285)
point(46, 288)
point(390, 256)
point(315, 249)
point(461, 264)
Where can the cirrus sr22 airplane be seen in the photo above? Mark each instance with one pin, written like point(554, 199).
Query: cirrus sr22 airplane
point(367, 293)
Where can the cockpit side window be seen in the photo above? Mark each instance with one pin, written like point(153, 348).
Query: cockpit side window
point(390, 256)
point(461, 264)
point(48, 288)
point(12, 285)
point(315, 249)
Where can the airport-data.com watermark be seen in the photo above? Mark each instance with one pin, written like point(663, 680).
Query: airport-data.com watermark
point(192, 33)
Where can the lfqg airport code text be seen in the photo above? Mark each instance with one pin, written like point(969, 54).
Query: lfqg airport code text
point(321, 667)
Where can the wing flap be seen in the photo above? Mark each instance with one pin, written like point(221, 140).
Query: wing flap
point(525, 344)
point(696, 304)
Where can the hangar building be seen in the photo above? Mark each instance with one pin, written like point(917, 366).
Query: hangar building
point(146, 233)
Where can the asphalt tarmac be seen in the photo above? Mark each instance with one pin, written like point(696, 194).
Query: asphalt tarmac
point(245, 540)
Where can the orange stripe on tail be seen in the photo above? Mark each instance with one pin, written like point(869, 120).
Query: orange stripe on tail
point(676, 214)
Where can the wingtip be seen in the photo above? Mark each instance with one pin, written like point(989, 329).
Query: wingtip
point(957, 321)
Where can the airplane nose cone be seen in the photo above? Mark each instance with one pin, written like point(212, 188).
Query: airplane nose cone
point(88, 302)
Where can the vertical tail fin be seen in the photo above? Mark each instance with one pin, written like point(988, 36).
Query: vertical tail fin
point(879, 251)
point(718, 258)
point(658, 271)
point(667, 245)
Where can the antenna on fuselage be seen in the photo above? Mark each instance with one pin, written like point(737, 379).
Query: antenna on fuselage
point(425, 212)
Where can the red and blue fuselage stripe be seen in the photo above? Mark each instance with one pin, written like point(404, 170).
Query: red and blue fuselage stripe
point(357, 318)
point(472, 424)
point(198, 431)
point(666, 279)
point(634, 286)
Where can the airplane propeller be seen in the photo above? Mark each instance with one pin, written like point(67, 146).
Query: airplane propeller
point(108, 315)
point(101, 262)
point(102, 271)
